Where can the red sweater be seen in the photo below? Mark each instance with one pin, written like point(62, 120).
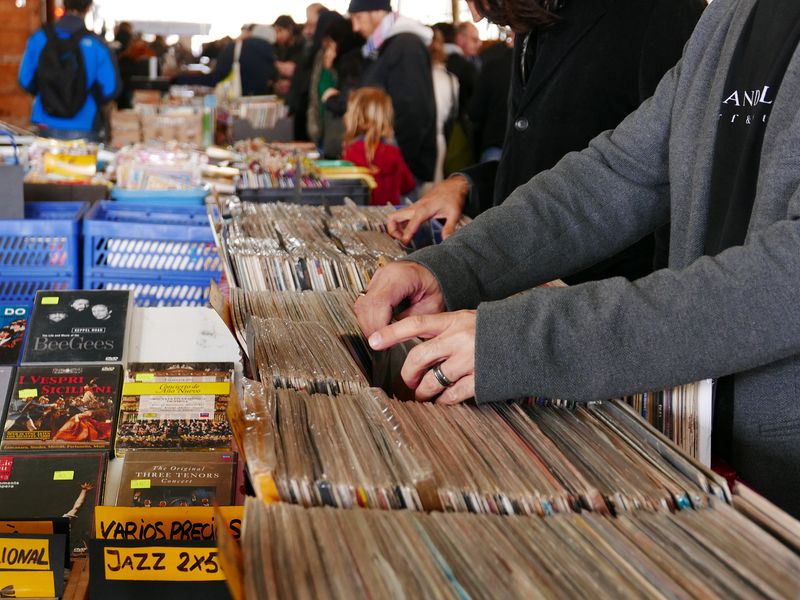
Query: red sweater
point(388, 168)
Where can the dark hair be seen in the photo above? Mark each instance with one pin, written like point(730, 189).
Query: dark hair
point(521, 15)
point(447, 30)
point(80, 6)
point(341, 32)
point(285, 22)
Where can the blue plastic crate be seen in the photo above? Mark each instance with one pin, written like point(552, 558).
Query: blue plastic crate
point(22, 290)
point(130, 241)
point(45, 243)
point(189, 291)
point(193, 197)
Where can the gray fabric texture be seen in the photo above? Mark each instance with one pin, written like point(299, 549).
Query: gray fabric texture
point(703, 317)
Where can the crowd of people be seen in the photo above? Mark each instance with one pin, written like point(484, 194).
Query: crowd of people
point(430, 75)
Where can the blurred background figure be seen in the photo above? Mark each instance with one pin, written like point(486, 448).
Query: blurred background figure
point(369, 142)
point(398, 61)
point(288, 53)
point(72, 74)
point(446, 92)
point(297, 99)
point(254, 53)
point(488, 107)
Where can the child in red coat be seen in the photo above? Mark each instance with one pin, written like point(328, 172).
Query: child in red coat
point(368, 131)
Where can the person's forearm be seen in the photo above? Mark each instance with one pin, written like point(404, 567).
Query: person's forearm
point(720, 315)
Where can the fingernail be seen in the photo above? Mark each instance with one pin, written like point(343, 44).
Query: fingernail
point(375, 341)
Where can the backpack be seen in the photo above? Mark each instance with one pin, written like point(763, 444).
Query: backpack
point(61, 74)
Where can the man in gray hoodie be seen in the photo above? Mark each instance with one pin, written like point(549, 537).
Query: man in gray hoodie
point(399, 62)
point(717, 151)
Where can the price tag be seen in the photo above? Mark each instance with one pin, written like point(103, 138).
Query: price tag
point(145, 377)
point(27, 584)
point(140, 484)
point(22, 527)
point(24, 554)
point(192, 523)
point(28, 393)
point(49, 300)
point(63, 475)
point(161, 563)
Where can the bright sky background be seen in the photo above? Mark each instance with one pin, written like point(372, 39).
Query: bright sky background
point(227, 16)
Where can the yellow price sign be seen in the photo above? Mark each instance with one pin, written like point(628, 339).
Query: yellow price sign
point(182, 523)
point(24, 554)
point(49, 300)
point(28, 393)
point(140, 484)
point(27, 527)
point(28, 584)
point(63, 475)
point(162, 563)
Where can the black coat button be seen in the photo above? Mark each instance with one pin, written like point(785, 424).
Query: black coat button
point(521, 124)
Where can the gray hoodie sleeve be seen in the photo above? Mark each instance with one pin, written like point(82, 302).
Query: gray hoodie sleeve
point(717, 316)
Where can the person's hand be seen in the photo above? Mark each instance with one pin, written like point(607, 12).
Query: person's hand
point(327, 94)
point(282, 87)
point(285, 68)
point(450, 348)
point(390, 286)
point(445, 201)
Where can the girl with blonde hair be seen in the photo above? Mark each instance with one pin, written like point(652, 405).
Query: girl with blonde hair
point(369, 142)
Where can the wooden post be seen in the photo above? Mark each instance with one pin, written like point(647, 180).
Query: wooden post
point(454, 4)
point(17, 23)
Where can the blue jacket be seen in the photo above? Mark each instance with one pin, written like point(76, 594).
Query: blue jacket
point(102, 77)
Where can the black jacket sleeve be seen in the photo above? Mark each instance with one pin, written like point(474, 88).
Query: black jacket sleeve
point(481, 187)
point(220, 72)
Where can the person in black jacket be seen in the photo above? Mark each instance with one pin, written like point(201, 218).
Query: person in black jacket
point(488, 108)
point(399, 62)
point(579, 67)
point(256, 63)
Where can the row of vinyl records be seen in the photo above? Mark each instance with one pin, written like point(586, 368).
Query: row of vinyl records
point(568, 499)
point(326, 339)
point(295, 552)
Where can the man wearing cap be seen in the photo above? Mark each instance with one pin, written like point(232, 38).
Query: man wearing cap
point(398, 61)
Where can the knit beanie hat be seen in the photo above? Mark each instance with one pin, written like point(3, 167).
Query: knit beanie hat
point(368, 5)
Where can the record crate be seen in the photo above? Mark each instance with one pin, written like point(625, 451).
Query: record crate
point(174, 291)
point(41, 251)
point(190, 197)
point(334, 194)
point(163, 251)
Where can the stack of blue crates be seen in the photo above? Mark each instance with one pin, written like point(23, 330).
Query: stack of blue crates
point(42, 251)
point(166, 254)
